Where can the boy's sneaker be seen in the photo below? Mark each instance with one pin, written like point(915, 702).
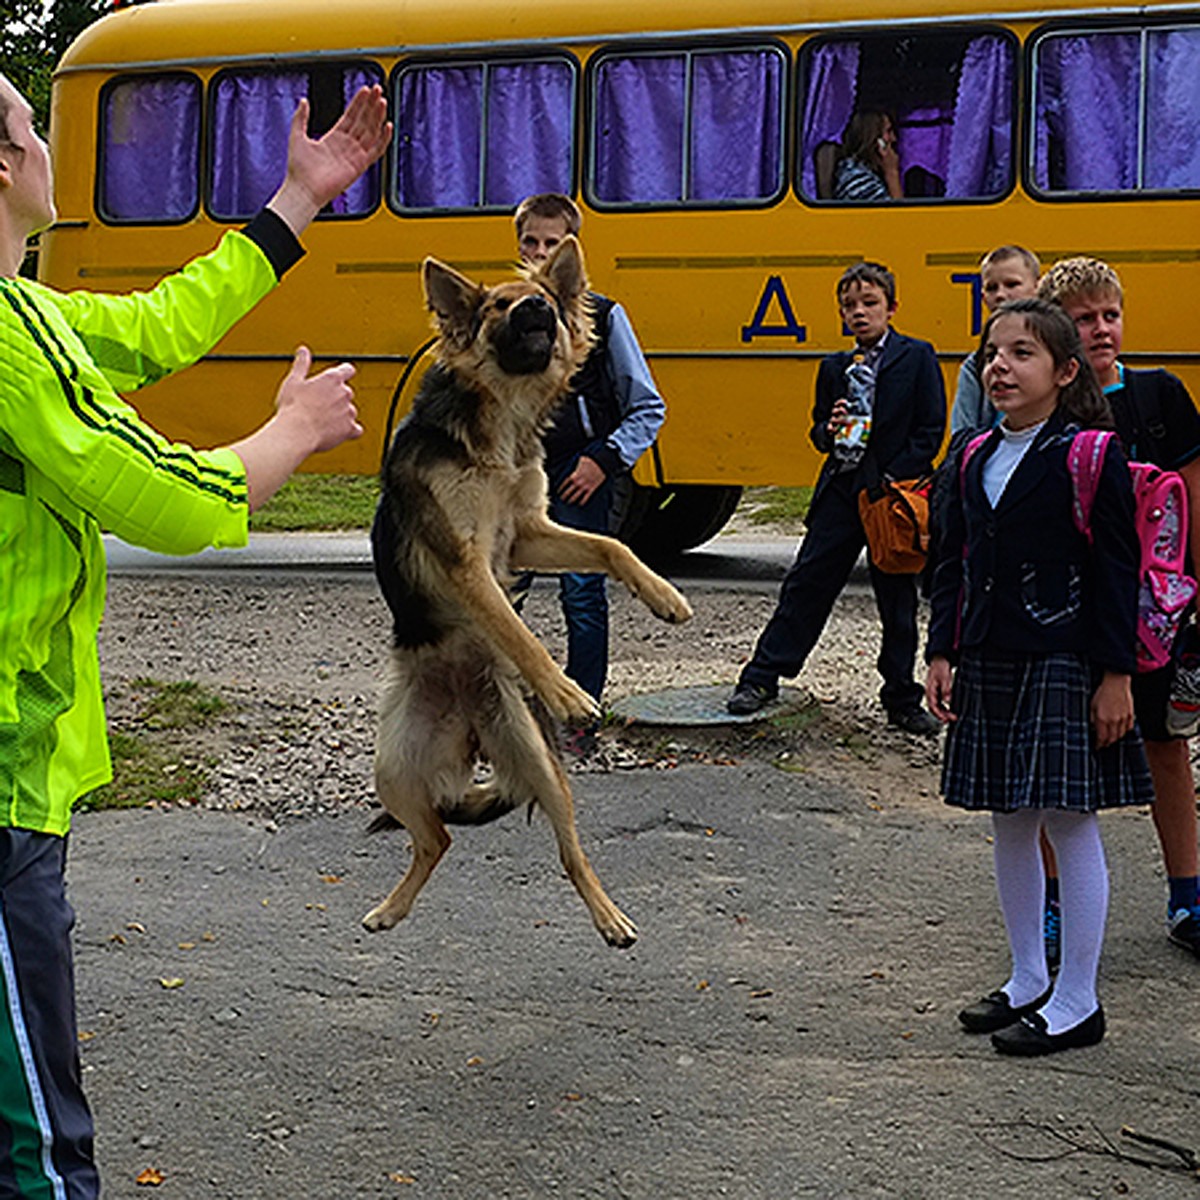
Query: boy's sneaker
point(749, 698)
point(1183, 928)
point(1183, 708)
point(1052, 936)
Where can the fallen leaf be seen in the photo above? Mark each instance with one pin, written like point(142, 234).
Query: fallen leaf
point(474, 1061)
point(136, 927)
point(86, 1035)
point(150, 1177)
point(120, 939)
point(909, 1034)
point(172, 982)
point(317, 907)
point(331, 879)
point(574, 1097)
point(187, 945)
point(761, 993)
point(265, 903)
point(703, 985)
point(400, 1177)
point(208, 937)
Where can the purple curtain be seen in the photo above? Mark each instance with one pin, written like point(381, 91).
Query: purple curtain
point(1173, 107)
point(530, 139)
point(1086, 113)
point(251, 118)
point(363, 194)
point(530, 128)
point(980, 153)
point(736, 113)
point(639, 129)
point(829, 103)
point(151, 140)
point(923, 134)
point(438, 145)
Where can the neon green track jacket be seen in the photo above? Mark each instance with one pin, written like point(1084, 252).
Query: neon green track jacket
point(74, 457)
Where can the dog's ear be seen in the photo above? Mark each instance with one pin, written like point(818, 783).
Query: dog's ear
point(564, 272)
point(453, 299)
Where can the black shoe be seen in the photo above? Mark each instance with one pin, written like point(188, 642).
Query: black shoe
point(749, 698)
point(1029, 1038)
point(1183, 928)
point(994, 1012)
point(914, 720)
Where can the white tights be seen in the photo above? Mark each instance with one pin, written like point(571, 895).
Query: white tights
point(1083, 898)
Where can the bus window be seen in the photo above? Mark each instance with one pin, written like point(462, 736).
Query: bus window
point(150, 149)
point(251, 113)
point(1117, 111)
point(702, 127)
point(949, 98)
point(483, 134)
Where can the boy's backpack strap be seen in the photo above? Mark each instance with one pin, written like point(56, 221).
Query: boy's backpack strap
point(1085, 461)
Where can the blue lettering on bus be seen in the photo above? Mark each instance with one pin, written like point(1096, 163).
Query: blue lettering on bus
point(975, 279)
point(774, 290)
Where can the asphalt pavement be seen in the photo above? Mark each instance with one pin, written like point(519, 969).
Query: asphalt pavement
point(784, 1027)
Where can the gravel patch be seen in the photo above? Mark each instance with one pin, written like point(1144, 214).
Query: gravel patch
point(301, 664)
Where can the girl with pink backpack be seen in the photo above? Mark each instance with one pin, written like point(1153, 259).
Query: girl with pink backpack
point(1031, 651)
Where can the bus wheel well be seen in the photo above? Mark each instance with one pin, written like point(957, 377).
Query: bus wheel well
point(659, 523)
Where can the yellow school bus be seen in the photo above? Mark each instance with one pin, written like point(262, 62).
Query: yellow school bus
point(699, 139)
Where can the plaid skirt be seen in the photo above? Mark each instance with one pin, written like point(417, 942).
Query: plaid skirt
point(1023, 739)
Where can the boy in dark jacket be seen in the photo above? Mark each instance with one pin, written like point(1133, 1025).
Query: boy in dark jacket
point(903, 429)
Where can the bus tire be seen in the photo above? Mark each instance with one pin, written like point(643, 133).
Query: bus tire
point(676, 518)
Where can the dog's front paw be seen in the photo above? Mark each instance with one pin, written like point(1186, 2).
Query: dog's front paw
point(664, 600)
point(569, 702)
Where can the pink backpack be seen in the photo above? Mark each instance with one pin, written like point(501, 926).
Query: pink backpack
point(1160, 502)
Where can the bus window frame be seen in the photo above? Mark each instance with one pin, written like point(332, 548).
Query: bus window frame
point(282, 66)
point(108, 87)
point(1081, 27)
point(686, 46)
point(458, 59)
point(860, 33)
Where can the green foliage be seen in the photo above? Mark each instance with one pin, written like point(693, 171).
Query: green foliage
point(35, 37)
point(777, 506)
point(319, 502)
point(153, 760)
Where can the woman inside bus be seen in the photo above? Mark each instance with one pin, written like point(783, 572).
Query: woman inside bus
point(868, 167)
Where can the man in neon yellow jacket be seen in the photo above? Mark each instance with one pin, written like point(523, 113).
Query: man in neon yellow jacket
point(74, 457)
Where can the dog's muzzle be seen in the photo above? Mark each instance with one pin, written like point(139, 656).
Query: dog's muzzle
point(525, 341)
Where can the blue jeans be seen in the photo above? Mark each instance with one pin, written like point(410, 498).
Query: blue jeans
point(584, 597)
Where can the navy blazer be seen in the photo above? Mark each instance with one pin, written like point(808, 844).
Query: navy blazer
point(908, 421)
point(1028, 581)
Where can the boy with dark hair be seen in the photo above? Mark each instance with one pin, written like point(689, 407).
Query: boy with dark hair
point(610, 418)
point(904, 427)
point(1157, 423)
point(1006, 273)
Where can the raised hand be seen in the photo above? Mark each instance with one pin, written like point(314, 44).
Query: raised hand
point(321, 168)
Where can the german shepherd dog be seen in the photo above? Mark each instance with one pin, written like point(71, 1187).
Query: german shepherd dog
point(463, 506)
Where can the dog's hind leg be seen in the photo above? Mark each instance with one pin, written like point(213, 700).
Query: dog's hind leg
point(419, 757)
point(524, 763)
point(411, 804)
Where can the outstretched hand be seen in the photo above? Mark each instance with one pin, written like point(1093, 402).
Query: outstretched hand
point(319, 169)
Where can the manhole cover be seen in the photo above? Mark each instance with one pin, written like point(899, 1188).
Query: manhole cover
point(703, 706)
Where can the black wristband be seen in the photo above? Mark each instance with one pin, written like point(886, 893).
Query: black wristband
point(274, 237)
